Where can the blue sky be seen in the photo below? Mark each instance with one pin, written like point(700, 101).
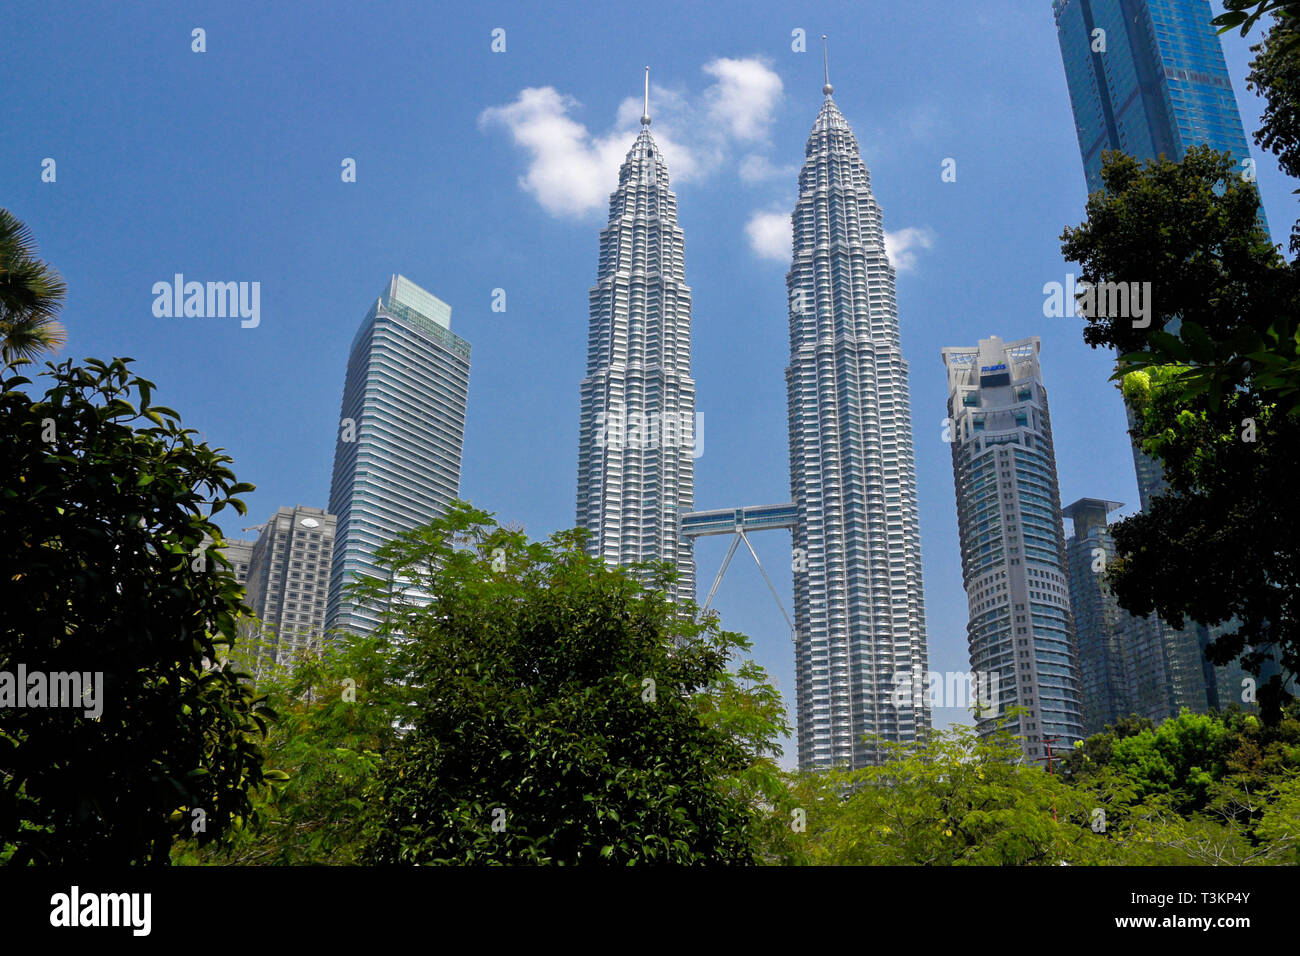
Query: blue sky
point(225, 166)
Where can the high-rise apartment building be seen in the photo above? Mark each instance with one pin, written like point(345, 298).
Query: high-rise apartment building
point(637, 433)
point(401, 432)
point(859, 603)
point(1012, 542)
point(289, 575)
point(239, 554)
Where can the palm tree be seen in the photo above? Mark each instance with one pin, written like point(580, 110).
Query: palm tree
point(31, 294)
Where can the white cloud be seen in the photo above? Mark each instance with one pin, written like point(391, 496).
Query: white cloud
point(902, 246)
point(923, 122)
point(769, 235)
point(571, 170)
point(756, 169)
point(744, 97)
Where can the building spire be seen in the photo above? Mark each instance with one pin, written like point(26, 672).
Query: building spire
point(645, 113)
point(826, 68)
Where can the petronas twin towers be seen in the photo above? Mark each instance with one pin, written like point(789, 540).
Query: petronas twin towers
point(859, 607)
point(636, 465)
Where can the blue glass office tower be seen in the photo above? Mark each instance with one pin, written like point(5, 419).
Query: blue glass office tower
point(1152, 83)
point(1127, 664)
point(1148, 78)
point(401, 431)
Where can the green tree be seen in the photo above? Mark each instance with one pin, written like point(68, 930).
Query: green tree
point(1246, 13)
point(1275, 76)
point(565, 711)
point(951, 799)
point(743, 704)
point(1222, 301)
point(1095, 751)
point(1198, 789)
point(105, 506)
point(1185, 755)
point(1279, 824)
point(1151, 833)
point(31, 294)
point(1207, 400)
point(338, 710)
point(1226, 546)
point(955, 799)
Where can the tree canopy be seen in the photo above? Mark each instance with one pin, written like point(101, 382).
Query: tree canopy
point(105, 508)
point(31, 294)
point(565, 712)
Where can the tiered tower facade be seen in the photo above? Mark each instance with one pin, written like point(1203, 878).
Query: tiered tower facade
point(859, 605)
point(637, 432)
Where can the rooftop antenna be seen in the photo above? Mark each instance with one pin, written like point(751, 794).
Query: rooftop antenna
point(645, 113)
point(826, 68)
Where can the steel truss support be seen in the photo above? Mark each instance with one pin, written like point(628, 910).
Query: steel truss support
point(736, 538)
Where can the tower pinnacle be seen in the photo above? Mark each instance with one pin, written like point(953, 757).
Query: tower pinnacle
point(826, 68)
point(645, 113)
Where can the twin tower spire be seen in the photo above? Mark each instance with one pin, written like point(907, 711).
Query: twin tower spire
point(645, 113)
point(827, 89)
point(856, 558)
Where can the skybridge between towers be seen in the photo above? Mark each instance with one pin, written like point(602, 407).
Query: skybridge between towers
point(736, 522)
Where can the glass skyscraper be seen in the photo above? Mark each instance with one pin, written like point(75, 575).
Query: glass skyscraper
point(1152, 82)
point(1123, 663)
point(1148, 78)
point(637, 433)
point(1012, 542)
point(859, 604)
point(401, 431)
point(1105, 666)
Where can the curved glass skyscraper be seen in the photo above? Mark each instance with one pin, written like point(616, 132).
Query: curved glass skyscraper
point(401, 432)
point(859, 606)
